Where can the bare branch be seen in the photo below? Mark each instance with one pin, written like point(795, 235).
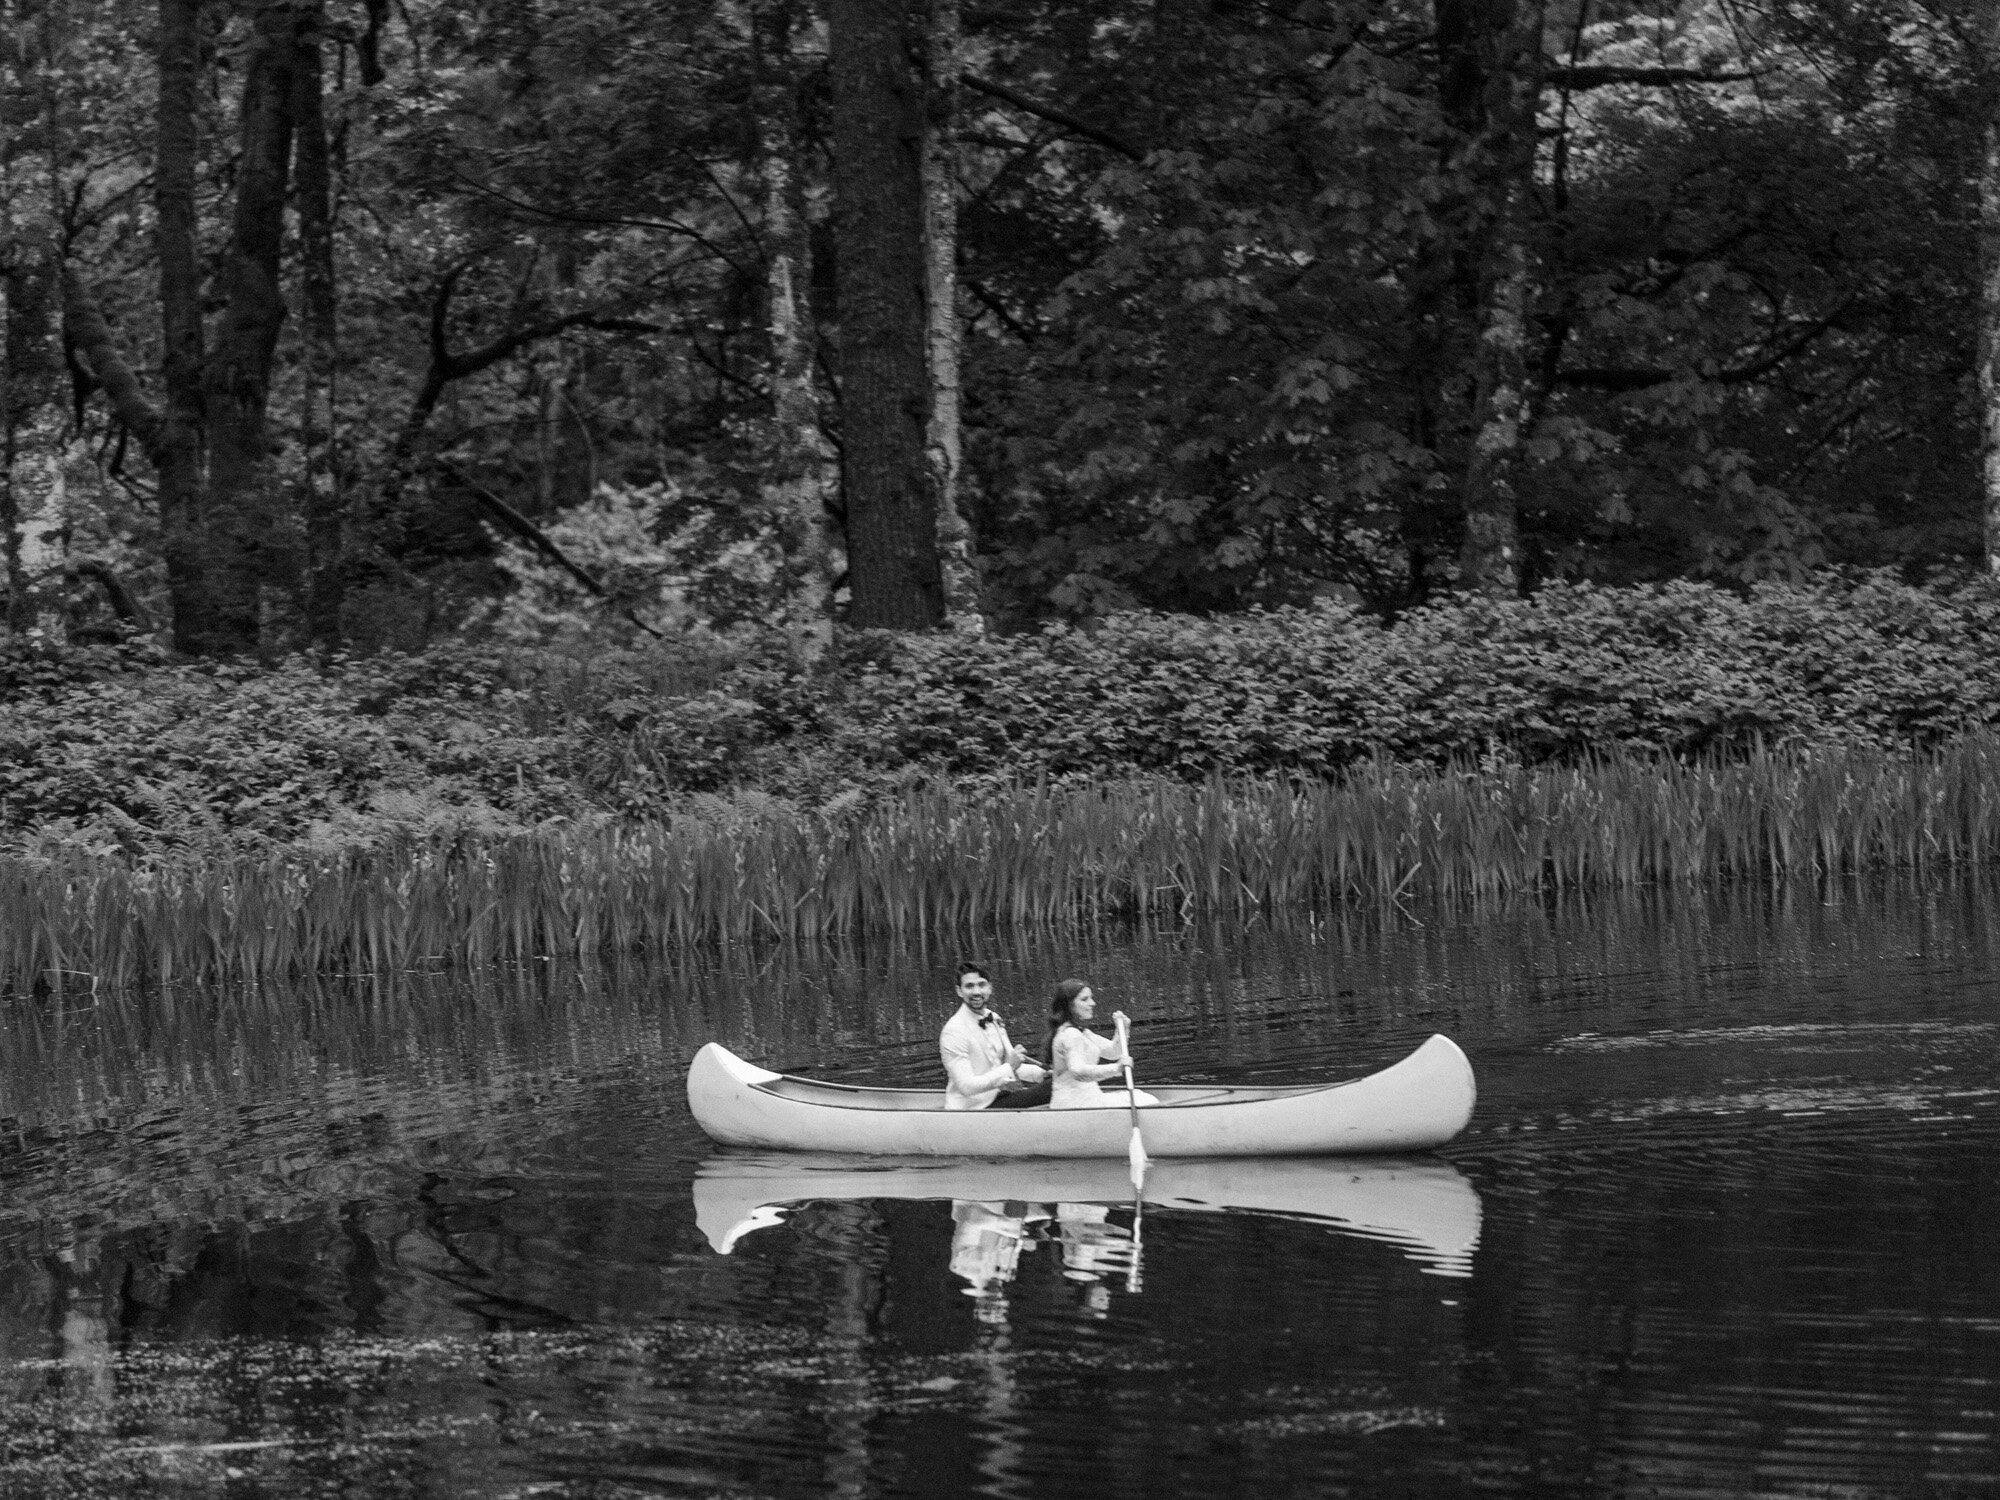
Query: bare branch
point(1644, 378)
point(999, 309)
point(672, 226)
point(1053, 115)
point(540, 540)
point(458, 366)
point(1579, 78)
point(446, 366)
point(123, 603)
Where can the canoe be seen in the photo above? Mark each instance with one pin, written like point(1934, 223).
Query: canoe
point(1412, 1105)
point(1425, 1209)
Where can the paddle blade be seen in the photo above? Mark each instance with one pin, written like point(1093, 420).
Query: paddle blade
point(1136, 1154)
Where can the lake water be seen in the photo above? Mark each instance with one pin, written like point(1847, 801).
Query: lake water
point(1726, 1223)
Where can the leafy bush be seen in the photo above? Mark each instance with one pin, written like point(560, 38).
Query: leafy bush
point(38, 666)
point(241, 755)
point(120, 749)
point(1676, 669)
point(116, 748)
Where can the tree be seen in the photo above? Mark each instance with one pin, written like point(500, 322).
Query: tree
point(245, 526)
point(1989, 291)
point(323, 503)
point(894, 576)
point(206, 436)
point(1491, 62)
point(1173, 304)
point(943, 445)
point(797, 460)
point(1261, 373)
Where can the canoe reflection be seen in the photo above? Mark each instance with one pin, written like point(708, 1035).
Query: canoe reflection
point(1425, 1208)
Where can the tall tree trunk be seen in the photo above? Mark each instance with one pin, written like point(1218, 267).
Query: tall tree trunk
point(878, 126)
point(1491, 66)
point(313, 194)
point(798, 459)
point(33, 70)
point(246, 545)
point(1989, 303)
point(176, 449)
point(1490, 560)
point(14, 615)
point(12, 578)
point(942, 448)
point(16, 401)
point(29, 373)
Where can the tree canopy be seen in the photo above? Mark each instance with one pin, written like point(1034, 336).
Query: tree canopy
point(340, 323)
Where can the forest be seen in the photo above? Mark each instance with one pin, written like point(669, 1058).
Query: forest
point(351, 325)
point(633, 436)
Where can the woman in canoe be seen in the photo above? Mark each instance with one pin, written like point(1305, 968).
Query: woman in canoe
point(1079, 1059)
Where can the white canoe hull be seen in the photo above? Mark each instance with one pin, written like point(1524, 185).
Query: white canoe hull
point(1415, 1104)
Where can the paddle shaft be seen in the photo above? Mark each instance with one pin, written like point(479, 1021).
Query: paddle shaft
point(1136, 1152)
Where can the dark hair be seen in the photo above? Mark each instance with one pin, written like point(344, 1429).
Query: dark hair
point(958, 974)
point(1060, 1001)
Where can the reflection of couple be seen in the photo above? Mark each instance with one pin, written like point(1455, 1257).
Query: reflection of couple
point(987, 1071)
point(987, 1240)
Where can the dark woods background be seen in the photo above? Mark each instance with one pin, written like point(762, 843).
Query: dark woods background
point(370, 323)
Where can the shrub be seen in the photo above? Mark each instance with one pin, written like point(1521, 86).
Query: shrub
point(1678, 669)
point(115, 747)
point(241, 755)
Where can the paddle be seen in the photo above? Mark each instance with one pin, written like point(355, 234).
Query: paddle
point(1135, 1153)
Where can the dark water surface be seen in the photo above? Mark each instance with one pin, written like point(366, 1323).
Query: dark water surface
point(1727, 1222)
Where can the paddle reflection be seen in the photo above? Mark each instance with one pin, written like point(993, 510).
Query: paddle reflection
point(1002, 1209)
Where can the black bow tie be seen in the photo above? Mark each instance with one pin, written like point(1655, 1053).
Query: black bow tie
point(989, 1019)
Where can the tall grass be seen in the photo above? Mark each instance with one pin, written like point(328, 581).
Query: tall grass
point(940, 861)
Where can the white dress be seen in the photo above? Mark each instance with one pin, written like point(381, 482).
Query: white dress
point(1079, 1068)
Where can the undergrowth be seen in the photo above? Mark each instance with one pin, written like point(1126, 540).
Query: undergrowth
point(119, 751)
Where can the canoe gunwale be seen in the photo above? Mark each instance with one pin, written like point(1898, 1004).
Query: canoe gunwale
point(807, 1091)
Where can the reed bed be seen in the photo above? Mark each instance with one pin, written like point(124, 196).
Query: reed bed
point(941, 861)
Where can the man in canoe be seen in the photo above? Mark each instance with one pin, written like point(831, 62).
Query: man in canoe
point(985, 1068)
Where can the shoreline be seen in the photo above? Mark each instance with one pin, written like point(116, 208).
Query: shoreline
point(934, 861)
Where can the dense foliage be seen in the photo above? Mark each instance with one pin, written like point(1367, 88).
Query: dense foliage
point(1226, 273)
point(1677, 669)
point(118, 748)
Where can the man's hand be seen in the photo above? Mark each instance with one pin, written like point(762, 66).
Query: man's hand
point(1017, 1054)
point(1030, 1072)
